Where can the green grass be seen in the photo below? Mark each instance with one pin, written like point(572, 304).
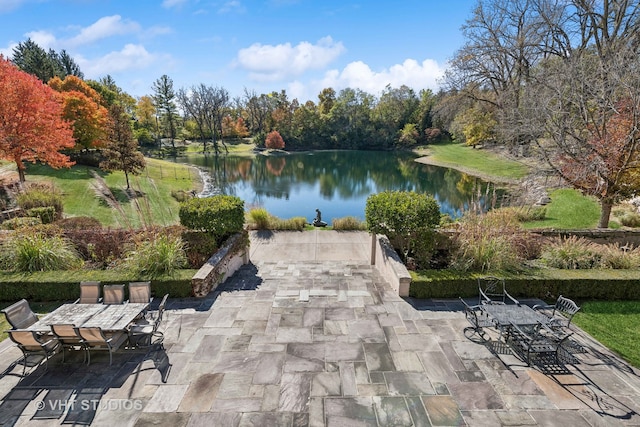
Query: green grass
point(478, 162)
point(155, 205)
point(569, 209)
point(615, 325)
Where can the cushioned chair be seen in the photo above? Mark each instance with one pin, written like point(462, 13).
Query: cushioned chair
point(142, 334)
point(113, 294)
point(93, 338)
point(68, 338)
point(140, 292)
point(19, 315)
point(89, 292)
point(30, 343)
point(492, 290)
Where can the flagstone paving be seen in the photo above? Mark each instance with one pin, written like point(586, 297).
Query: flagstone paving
point(319, 343)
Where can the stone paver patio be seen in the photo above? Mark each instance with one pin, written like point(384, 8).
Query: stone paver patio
point(320, 343)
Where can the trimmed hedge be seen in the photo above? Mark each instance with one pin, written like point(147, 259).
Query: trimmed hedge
point(220, 215)
point(65, 285)
point(543, 284)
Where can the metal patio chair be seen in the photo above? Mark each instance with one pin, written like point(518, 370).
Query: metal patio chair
point(560, 314)
point(492, 290)
point(140, 292)
point(89, 292)
point(143, 334)
point(478, 320)
point(93, 338)
point(113, 294)
point(66, 335)
point(30, 343)
point(19, 315)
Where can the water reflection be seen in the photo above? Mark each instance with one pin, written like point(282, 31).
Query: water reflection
point(336, 182)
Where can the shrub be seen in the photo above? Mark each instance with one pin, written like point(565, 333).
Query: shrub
point(199, 247)
point(527, 213)
point(259, 218)
point(274, 140)
point(101, 247)
point(403, 217)
point(35, 251)
point(630, 219)
point(616, 257)
point(159, 255)
point(220, 215)
point(571, 253)
point(79, 223)
point(348, 223)
point(487, 242)
point(181, 195)
point(20, 222)
point(296, 223)
point(39, 196)
point(47, 214)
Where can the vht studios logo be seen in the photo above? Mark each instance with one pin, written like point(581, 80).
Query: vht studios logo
point(89, 405)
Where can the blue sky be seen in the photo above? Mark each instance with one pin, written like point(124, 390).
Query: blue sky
point(301, 46)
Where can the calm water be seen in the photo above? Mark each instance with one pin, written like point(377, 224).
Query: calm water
point(336, 182)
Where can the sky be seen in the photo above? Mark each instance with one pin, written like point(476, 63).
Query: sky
point(300, 46)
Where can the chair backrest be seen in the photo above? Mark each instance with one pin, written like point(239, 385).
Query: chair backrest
point(66, 333)
point(20, 315)
point(89, 292)
point(568, 308)
point(91, 335)
point(26, 340)
point(161, 308)
point(113, 294)
point(491, 289)
point(139, 292)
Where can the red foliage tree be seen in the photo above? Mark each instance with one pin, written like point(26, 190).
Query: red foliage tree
point(83, 107)
point(31, 124)
point(274, 140)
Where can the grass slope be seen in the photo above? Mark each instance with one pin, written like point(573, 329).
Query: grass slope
point(154, 204)
point(569, 209)
point(479, 162)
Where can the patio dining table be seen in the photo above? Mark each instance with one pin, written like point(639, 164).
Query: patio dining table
point(109, 317)
point(506, 315)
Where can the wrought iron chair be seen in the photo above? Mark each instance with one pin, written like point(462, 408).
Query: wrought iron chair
point(478, 320)
point(143, 334)
point(89, 292)
point(561, 313)
point(30, 343)
point(492, 290)
point(19, 315)
point(538, 346)
point(66, 335)
point(113, 294)
point(93, 338)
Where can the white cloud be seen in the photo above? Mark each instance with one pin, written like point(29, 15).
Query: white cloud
point(7, 52)
point(233, 6)
point(44, 39)
point(168, 4)
point(9, 5)
point(132, 56)
point(104, 27)
point(359, 75)
point(272, 63)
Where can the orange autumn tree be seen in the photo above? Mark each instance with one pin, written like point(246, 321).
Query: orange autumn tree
point(83, 107)
point(274, 140)
point(31, 124)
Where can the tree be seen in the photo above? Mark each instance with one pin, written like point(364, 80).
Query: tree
point(33, 59)
point(83, 108)
point(274, 140)
point(121, 151)
point(164, 101)
point(31, 125)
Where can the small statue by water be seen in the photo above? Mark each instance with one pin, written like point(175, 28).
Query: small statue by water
point(318, 222)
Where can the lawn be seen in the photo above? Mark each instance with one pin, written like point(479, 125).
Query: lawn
point(154, 203)
point(569, 209)
point(616, 324)
point(479, 162)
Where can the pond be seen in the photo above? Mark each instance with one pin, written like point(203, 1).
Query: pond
point(336, 182)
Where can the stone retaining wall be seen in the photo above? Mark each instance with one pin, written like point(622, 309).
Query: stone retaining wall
point(226, 261)
point(388, 263)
